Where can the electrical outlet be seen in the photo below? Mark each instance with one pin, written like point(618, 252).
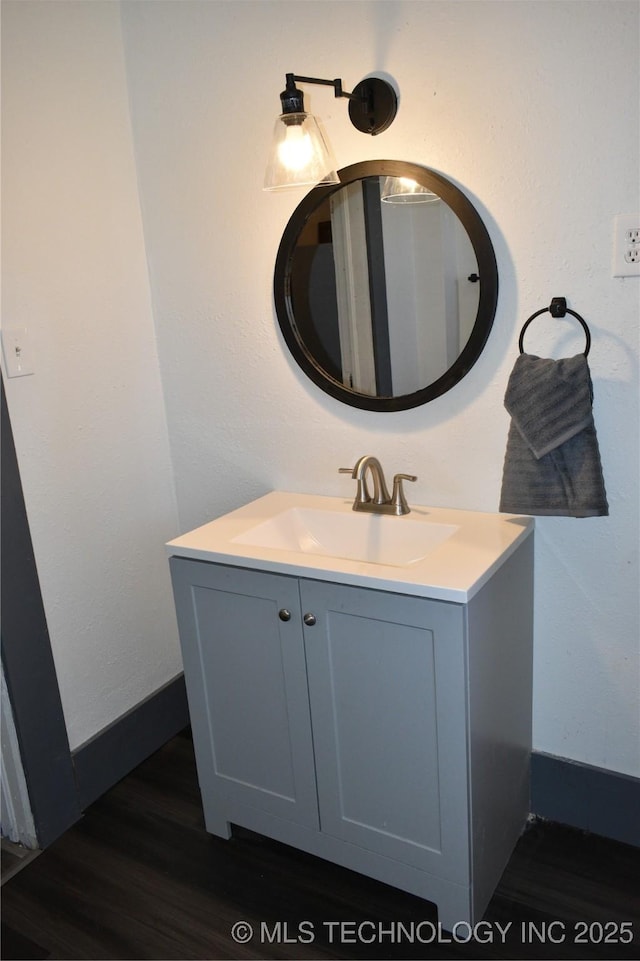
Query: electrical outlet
point(626, 245)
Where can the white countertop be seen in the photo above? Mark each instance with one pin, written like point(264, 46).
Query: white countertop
point(454, 570)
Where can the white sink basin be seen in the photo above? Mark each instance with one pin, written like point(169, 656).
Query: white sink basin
point(373, 538)
point(432, 552)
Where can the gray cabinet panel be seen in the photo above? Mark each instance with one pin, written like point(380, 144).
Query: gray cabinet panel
point(417, 768)
point(246, 693)
point(387, 690)
point(246, 676)
point(500, 666)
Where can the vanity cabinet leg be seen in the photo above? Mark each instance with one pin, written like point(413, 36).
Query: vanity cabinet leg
point(453, 909)
point(217, 824)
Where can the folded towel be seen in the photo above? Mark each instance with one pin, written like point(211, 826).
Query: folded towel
point(552, 463)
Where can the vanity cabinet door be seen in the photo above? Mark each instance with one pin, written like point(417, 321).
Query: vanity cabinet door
point(387, 691)
point(246, 681)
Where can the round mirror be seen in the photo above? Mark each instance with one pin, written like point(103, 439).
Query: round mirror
point(386, 285)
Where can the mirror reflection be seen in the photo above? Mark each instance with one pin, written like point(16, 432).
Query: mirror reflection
point(386, 285)
point(359, 262)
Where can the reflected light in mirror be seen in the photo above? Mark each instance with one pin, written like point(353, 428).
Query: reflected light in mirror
point(403, 190)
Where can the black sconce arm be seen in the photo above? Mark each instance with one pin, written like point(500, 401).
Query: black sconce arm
point(336, 84)
point(373, 103)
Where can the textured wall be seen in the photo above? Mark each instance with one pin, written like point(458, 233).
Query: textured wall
point(89, 425)
point(522, 105)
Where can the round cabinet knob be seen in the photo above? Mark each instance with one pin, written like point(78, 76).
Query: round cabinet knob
point(309, 619)
point(284, 614)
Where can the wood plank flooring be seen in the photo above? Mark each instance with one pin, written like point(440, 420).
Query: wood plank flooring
point(14, 858)
point(139, 878)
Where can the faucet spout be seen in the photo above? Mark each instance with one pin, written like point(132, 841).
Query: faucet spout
point(371, 464)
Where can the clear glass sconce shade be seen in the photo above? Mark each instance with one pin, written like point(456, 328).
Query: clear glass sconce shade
point(401, 190)
point(299, 155)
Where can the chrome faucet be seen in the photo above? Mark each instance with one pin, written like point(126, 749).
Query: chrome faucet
point(381, 502)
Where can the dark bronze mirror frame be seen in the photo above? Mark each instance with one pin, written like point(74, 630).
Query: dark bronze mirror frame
point(487, 278)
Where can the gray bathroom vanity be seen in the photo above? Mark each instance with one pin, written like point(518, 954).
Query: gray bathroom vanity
point(372, 713)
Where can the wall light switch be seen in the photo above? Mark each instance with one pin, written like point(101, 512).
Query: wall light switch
point(17, 351)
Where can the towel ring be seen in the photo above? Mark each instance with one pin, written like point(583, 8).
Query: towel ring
point(557, 308)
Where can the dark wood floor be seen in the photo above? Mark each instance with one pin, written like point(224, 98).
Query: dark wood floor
point(139, 877)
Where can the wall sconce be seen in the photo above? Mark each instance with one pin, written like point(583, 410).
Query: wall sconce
point(299, 154)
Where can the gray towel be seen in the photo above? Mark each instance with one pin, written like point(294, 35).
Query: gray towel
point(552, 463)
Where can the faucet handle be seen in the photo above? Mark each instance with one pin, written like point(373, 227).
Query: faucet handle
point(346, 470)
point(398, 499)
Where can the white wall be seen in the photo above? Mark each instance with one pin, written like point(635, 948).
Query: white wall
point(521, 104)
point(89, 425)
